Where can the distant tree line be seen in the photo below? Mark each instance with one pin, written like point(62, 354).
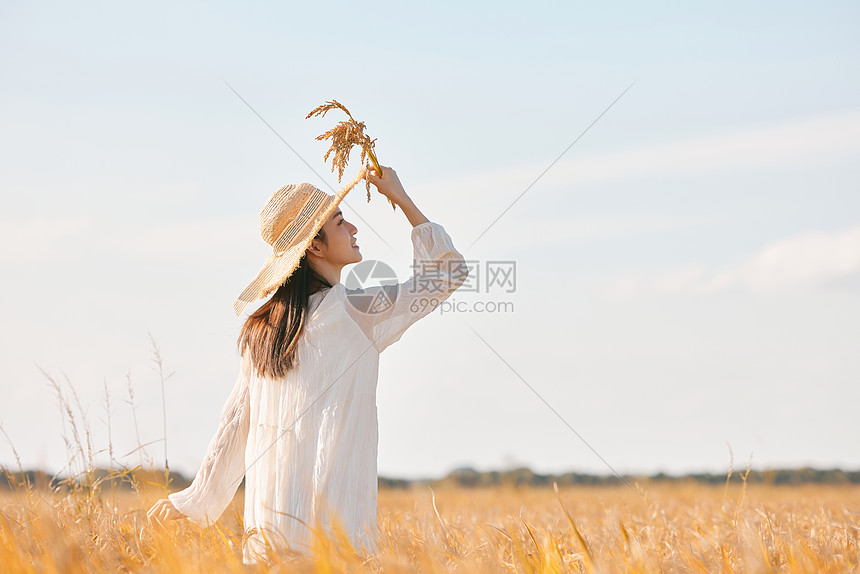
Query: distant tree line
point(464, 477)
point(467, 476)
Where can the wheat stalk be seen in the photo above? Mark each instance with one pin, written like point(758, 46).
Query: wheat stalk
point(343, 137)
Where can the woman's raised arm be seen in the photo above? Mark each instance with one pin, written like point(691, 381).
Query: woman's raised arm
point(439, 270)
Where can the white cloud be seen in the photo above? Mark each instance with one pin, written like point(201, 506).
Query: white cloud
point(803, 140)
point(802, 262)
point(42, 239)
point(36, 239)
point(213, 238)
point(800, 141)
point(565, 230)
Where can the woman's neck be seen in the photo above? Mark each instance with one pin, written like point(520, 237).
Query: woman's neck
point(327, 271)
point(317, 285)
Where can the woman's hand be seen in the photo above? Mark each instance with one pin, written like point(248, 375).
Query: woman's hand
point(163, 510)
point(388, 185)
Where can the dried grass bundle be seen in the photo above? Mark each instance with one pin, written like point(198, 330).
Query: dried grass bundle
point(343, 137)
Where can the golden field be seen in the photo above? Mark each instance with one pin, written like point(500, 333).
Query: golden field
point(685, 527)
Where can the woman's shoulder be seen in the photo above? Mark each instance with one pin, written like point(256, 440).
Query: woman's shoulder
point(318, 297)
point(321, 303)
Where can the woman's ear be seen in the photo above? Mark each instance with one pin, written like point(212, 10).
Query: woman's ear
point(315, 247)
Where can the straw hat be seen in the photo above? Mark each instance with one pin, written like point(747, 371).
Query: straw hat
point(289, 221)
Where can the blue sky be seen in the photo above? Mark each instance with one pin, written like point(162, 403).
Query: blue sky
point(688, 274)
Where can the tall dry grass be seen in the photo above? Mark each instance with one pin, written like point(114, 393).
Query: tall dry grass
point(674, 528)
point(95, 521)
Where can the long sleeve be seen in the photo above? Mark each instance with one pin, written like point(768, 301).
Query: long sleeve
point(439, 270)
point(224, 464)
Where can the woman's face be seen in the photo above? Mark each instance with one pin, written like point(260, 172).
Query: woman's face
point(340, 236)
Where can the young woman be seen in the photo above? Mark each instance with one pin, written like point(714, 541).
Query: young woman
point(300, 425)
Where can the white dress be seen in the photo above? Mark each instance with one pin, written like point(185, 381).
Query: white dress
point(306, 444)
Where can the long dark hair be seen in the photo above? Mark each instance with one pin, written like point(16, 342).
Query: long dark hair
point(271, 333)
